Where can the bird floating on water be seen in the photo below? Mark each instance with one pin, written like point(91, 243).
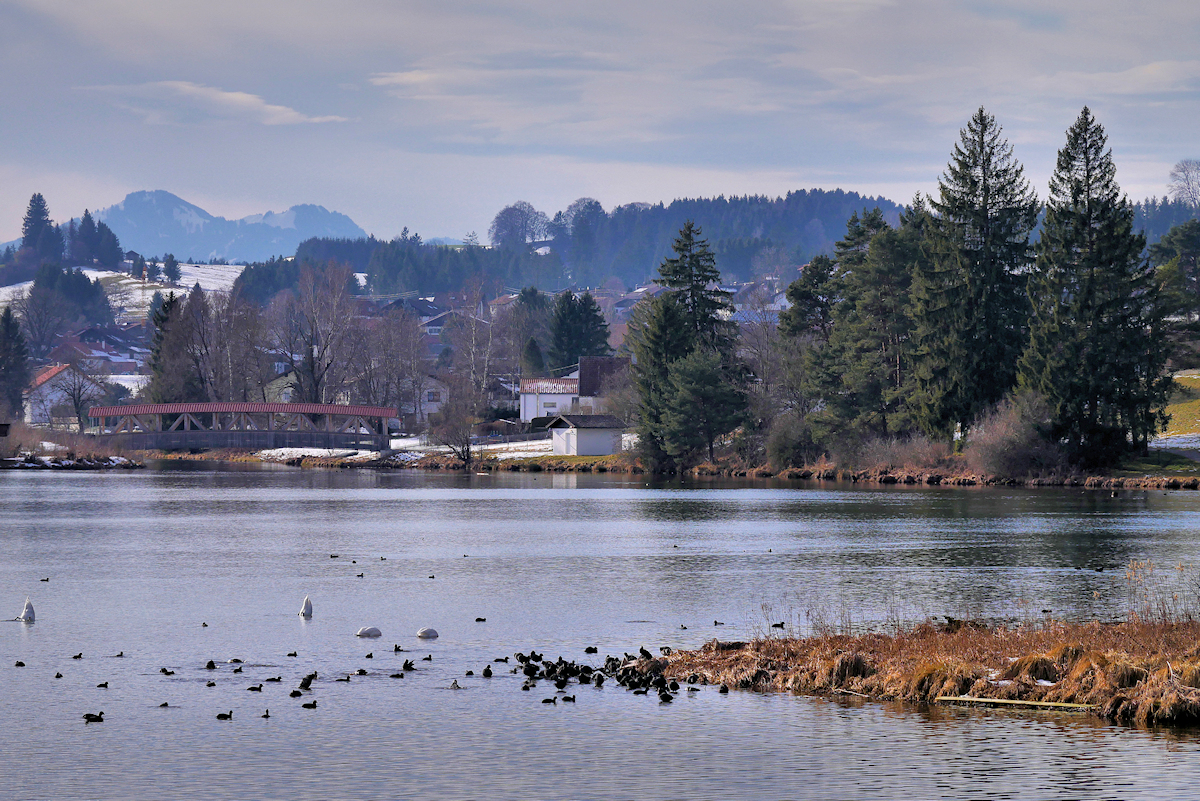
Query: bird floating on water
point(266, 713)
point(306, 608)
point(310, 705)
point(428, 633)
point(27, 615)
point(368, 631)
point(225, 715)
point(88, 717)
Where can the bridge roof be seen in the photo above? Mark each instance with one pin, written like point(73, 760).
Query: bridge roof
point(250, 408)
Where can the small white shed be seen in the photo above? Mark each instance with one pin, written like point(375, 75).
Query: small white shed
point(586, 434)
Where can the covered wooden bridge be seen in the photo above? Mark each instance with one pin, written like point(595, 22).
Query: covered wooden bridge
point(172, 426)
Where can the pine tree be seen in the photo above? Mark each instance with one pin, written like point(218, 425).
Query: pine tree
point(108, 247)
point(172, 273)
point(862, 373)
point(659, 336)
point(14, 366)
point(693, 276)
point(1097, 346)
point(704, 404)
point(970, 309)
point(37, 219)
point(533, 365)
point(811, 301)
point(86, 241)
point(577, 328)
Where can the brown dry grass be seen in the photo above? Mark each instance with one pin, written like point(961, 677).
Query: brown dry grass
point(1142, 672)
point(23, 439)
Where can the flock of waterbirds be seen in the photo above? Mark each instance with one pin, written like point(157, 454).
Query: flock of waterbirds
point(641, 673)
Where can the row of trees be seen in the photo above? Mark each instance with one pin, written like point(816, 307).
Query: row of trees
point(926, 326)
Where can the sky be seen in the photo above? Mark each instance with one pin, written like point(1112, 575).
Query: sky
point(433, 115)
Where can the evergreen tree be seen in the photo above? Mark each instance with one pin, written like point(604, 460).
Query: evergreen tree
point(811, 301)
point(693, 276)
point(14, 366)
point(970, 308)
point(37, 220)
point(108, 247)
point(153, 269)
point(862, 373)
point(86, 241)
point(1097, 349)
point(577, 328)
point(533, 365)
point(172, 273)
point(704, 404)
point(659, 336)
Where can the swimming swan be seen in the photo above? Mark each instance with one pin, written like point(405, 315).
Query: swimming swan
point(427, 633)
point(27, 615)
point(369, 631)
point(306, 608)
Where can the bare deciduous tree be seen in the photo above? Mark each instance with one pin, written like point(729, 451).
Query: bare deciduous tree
point(309, 332)
point(1185, 182)
point(42, 317)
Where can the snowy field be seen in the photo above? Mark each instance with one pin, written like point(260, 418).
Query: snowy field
point(1181, 442)
point(130, 298)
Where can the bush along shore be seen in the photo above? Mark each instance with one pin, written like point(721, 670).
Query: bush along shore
point(1133, 672)
point(87, 462)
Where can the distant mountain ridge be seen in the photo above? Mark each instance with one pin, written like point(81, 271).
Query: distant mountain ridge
point(157, 222)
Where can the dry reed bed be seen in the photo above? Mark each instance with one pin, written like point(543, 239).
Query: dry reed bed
point(1135, 672)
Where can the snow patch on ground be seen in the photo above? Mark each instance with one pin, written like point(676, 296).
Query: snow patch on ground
point(284, 454)
point(520, 450)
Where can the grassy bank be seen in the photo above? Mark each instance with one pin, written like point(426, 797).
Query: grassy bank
point(1135, 672)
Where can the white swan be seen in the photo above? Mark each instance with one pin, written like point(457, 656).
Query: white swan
point(27, 615)
point(427, 633)
point(369, 631)
point(306, 608)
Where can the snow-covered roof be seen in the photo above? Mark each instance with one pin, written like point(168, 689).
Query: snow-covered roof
point(550, 386)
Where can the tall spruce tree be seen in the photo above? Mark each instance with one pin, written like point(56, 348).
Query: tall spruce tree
point(660, 336)
point(1097, 350)
point(693, 276)
point(37, 219)
point(862, 373)
point(969, 305)
point(14, 366)
point(577, 328)
point(704, 404)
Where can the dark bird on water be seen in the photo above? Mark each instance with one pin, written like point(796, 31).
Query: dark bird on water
point(295, 693)
point(665, 697)
point(345, 679)
point(211, 684)
point(396, 676)
point(47, 579)
point(550, 701)
point(257, 689)
point(225, 715)
point(487, 671)
point(237, 669)
point(408, 665)
point(361, 671)
point(310, 705)
point(718, 623)
point(370, 655)
point(427, 658)
point(203, 625)
point(211, 665)
point(276, 679)
point(568, 699)
point(164, 705)
point(644, 653)
point(292, 653)
point(88, 717)
point(119, 655)
point(266, 713)
point(58, 675)
point(481, 620)
point(102, 685)
point(591, 649)
point(396, 649)
point(360, 575)
point(724, 688)
point(778, 625)
point(78, 655)
point(503, 659)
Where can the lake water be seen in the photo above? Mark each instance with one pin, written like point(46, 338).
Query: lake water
point(137, 561)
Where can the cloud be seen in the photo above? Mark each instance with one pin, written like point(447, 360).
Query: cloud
point(180, 102)
point(1155, 78)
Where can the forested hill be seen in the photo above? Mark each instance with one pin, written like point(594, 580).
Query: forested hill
point(751, 234)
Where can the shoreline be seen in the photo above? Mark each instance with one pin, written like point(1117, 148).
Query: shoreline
point(1142, 673)
point(624, 465)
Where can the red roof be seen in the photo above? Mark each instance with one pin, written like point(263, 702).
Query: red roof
point(46, 373)
point(251, 408)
